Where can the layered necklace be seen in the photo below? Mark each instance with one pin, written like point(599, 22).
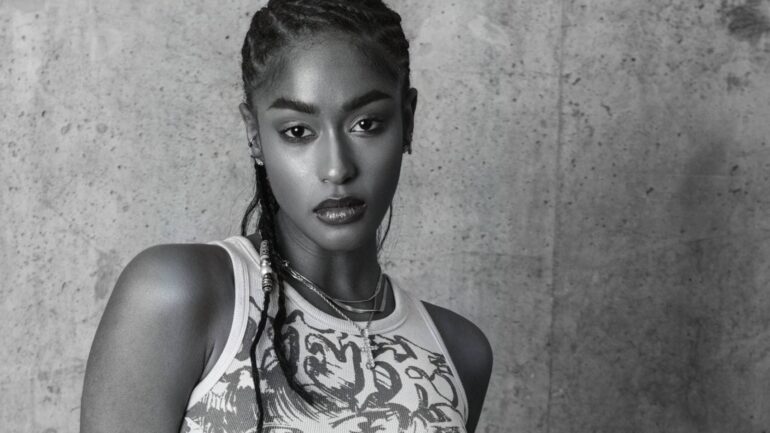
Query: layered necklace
point(338, 305)
point(343, 303)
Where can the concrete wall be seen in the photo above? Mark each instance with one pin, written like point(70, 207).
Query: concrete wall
point(589, 184)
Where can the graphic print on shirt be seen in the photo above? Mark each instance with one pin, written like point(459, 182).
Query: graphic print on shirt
point(411, 389)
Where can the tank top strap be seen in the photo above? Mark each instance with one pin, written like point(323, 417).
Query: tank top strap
point(245, 260)
point(430, 325)
point(247, 285)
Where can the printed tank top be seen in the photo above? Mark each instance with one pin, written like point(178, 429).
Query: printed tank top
point(413, 388)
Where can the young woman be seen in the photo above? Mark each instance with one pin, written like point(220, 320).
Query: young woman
point(295, 328)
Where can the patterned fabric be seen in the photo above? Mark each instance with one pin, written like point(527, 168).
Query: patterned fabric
point(413, 387)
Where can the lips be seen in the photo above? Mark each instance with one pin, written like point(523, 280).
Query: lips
point(341, 210)
point(341, 202)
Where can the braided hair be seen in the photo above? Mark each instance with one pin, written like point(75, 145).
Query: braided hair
point(273, 28)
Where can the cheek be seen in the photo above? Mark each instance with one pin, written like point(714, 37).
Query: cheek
point(289, 181)
point(383, 174)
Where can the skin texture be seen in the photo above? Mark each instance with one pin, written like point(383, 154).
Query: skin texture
point(169, 315)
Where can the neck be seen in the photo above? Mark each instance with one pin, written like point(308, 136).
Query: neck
point(350, 274)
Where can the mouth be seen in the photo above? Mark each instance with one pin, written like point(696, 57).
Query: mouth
point(341, 210)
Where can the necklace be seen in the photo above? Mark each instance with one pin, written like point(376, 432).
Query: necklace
point(377, 288)
point(341, 303)
point(363, 331)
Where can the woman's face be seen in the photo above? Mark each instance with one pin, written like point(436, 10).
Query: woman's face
point(331, 129)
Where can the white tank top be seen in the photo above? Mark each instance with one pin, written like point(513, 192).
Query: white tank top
point(414, 386)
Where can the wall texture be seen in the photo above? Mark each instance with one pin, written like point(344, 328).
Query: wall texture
point(589, 185)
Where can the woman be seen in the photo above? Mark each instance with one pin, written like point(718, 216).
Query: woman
point(295, 327)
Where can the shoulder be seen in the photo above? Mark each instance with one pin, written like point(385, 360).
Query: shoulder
point(181, 284)
point(185, 264)
point(462, 337)
point(471, 354)
point(155, 337)
point(178, 277)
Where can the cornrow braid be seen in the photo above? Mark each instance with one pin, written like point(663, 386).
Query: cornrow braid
point(276, 25)
point(273, 28)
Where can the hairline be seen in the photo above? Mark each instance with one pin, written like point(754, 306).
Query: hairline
point(376, 56)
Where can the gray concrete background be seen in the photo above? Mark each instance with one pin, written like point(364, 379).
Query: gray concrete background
point(589, 185)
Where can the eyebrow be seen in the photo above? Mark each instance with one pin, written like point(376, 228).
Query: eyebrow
point(303, 107)
point(366, 98)
point(295, 105)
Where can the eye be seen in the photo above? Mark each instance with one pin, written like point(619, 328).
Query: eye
point(297, 132)
point(367, 125)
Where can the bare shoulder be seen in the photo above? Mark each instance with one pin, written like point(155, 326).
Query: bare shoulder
point(471, 354)
point(155, 337)
point(174, 282)
point(459, 332)
point(186, 270)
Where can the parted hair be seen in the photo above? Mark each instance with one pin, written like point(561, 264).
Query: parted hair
point(377, 30)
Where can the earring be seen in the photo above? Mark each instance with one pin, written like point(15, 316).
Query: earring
point(251, 146)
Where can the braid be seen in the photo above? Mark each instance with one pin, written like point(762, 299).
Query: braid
point(272, 28)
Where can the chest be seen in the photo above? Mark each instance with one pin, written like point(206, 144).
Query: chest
point(411, 388)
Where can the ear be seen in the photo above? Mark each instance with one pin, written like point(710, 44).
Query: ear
point(252, 130)
point(410, 106)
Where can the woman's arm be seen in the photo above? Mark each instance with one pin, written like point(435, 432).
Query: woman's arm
point(153, 342)
point(471, 354)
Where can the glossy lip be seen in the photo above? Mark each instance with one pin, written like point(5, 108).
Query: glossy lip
point(340, 210)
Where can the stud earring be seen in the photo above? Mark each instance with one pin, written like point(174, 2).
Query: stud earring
point(251, 146)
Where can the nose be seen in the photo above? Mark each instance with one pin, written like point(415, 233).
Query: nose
point(337, 163)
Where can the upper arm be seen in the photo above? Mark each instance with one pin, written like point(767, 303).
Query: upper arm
point(150, 346)
point(471, 354)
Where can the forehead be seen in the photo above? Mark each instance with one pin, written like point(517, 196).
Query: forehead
point(327, 71)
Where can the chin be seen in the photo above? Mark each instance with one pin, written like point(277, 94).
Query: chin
point(346, 237)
